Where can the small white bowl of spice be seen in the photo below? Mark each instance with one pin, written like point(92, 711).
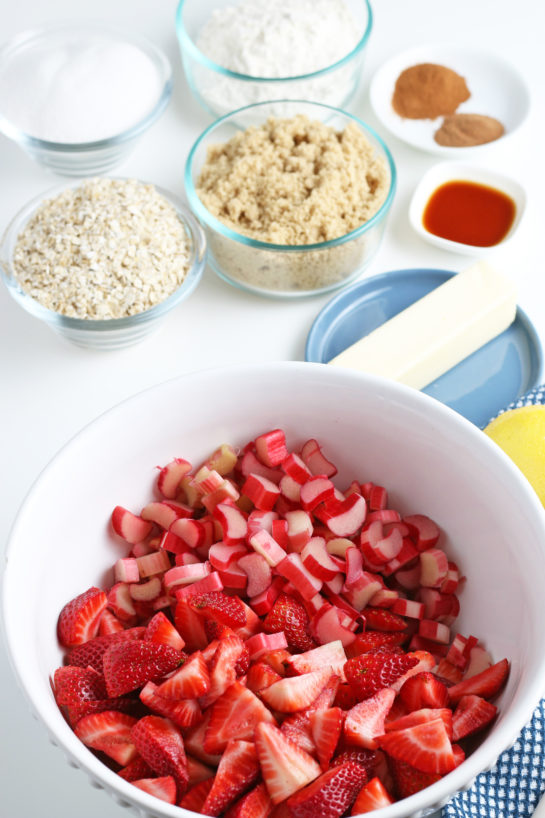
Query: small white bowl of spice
point(104, 260)
point(77, 97)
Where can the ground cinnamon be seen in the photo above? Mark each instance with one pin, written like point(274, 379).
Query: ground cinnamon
point(466, 130)
point(427, 90)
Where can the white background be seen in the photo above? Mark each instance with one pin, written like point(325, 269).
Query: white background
point(50, 389)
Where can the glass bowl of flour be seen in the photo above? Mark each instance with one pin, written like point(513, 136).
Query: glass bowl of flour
point(77, 98)
point(241, 52)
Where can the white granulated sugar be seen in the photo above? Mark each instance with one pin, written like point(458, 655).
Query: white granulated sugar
point(277, 38)
point(82, 90)
point(109, 248)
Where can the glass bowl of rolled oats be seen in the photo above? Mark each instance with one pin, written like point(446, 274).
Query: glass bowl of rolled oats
point(104, 260)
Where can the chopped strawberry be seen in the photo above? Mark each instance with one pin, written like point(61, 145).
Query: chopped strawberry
point(237, 771)
point(255, 804)
point(197, 771)
point(296, 692)
point(228, 610)
point(289, 615)
point(330, 795)
point(473, 713)
point(90, 653)
point(194, 741)
point(222, 668)
point(190, 626)
point(368, 640)
point(419, 717)
point(448, 673)
point(195, 797)
point(129, 665)
point(426, 746)
point(160, 744)
point(135, 769)
point(160, 629)
point(485, 684)
point(365, 722)
point(163, 787)
point(260, 676)
point(331, 655)
point(368, 673)
point(379, 619)
point(77, 685)
point(372, 796)
point(367, 759)
point(297, 729)
point(184, 713)
point(425, 661)
point(189, 682)
point(326, 727)
point(234, 715)
point(345, 698)
point(79, 619)
point(409, 780)
point(110, 732)
point(423, 690)
point(284, 766)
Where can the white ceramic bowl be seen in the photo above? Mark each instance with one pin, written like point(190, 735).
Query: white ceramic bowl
point(497, 90)
point(445, 172)
point(432, 460)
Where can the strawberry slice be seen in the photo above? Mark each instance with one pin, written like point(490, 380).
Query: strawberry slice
point(369, 640)
point(160, 629)
point(331, 655)
point(228, 610)
point(197, 771)
point(326, 727)
point(163, 787)
point(379, 619)
point(296, 692)
point(184, 713)
point(372, 796)
point(330, 795)
point(485, 684)
point(255, 804)
point(197, 795)
point(366, 720)
point(78, 685)
point(368, 673)
point(194, 742)
point(79, 619)
point(110, 732)
point(419, 717)
point(222, 669)
point(237, 771)
point(297, 728)
point(423, 690)
point(160, 744)
point(260, 676)
point(190, 626)
point(90, 653)
point(129, 665)
point(234, 715)
point(290, 616)
point(284, 766)
point(189, 682)
point(135, 769)
point(473, 713)
point(367, 759)
point(409, 780)
point(426, 746)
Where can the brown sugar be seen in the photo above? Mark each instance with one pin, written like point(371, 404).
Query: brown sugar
point(466, 130)
point(427, 90)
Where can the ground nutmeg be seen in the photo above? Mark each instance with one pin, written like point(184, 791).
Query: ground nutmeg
point(467, 130)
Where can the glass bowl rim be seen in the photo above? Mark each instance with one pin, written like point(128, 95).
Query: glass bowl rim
point(187, 44)
point(32, 306)
point(215, 224)
point(158, 57)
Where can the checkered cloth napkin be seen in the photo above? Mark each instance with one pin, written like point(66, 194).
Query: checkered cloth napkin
point(513, 788)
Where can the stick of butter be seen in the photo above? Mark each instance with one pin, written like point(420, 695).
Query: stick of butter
point(425, 340)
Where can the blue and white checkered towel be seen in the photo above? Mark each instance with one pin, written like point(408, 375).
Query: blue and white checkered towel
point(513, 788)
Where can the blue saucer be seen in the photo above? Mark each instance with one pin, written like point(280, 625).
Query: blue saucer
point(478, 387)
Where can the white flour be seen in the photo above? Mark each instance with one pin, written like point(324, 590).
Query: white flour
point(277, 38)
point(80, 91)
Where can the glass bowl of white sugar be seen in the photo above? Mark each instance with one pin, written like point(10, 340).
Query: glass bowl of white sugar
point(77, 98)
point(103, 261)
point(241, 52)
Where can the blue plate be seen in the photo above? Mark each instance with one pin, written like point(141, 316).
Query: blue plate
point(478, 387)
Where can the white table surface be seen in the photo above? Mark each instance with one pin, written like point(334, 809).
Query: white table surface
point(51, 389)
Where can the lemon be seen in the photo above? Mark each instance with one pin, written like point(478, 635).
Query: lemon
point(521, 434)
